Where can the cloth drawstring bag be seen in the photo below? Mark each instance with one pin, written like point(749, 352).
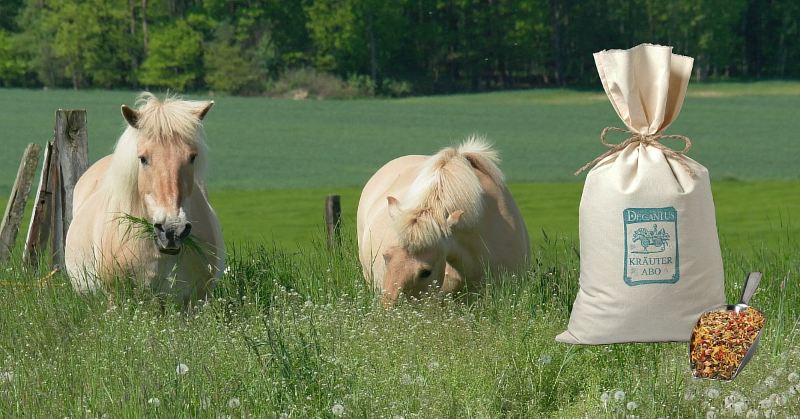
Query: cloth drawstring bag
point(650, 255)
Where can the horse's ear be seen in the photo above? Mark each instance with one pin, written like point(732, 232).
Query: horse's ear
point(131, 115)
point(201, 113)
point(454, 218)
point(394, 206)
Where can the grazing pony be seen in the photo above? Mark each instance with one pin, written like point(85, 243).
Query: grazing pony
point(454, 220)
point(155, 176)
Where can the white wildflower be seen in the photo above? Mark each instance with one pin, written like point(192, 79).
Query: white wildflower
point(619, 395)
point(406, 379)
point(739, 408)
point(712, 393)
point(6, 377)
point(631, 406)
point(234, 403)
point(793, 377)
point(153, 401)
point(752, 414)
point(182, 369)
point(769, 381)
point(765, 404)
point(781, 399)
point(605, 397)
point(545, 359)
point(337, 409)
point(711, 414)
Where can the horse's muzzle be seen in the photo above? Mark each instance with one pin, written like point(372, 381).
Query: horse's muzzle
point(170, 235)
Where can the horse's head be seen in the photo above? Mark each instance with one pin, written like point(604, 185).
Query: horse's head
point(168, 151)
point(416, 266)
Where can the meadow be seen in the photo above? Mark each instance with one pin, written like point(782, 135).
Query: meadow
point(292, 330)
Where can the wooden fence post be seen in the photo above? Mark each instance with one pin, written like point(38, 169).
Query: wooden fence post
point(39, 228)
point(71, 159)
point(333, 215)
point(15, 208)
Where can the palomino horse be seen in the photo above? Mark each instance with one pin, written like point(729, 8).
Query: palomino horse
point(155, 174)
point(454, 220)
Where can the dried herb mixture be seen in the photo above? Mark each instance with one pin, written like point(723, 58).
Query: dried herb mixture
point(721, 340)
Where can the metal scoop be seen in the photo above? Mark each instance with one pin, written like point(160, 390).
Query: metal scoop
point(750, 286)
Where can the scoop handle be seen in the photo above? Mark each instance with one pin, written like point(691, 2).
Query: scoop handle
point(750, 285)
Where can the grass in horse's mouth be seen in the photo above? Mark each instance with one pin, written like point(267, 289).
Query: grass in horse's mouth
point(142, 228)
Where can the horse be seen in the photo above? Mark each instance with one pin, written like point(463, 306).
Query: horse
point(136, 211)
point(454, 221)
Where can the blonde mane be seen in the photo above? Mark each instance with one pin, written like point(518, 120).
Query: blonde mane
point(446, 183)
point(167, 121)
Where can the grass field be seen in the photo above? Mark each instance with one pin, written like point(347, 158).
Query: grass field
point(292, 330)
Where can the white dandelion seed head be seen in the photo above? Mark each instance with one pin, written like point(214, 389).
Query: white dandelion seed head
point(154, 401)
point(765, 404)
point(752, 414)
point(619, 395)
point(234, 403)
point(711, 414)
point(769, 381)
point(182, 369)
point(793, 377)
point(739, 408)
point(728, 401)
point(6, 377)
point(337, 409)
point(406, 379)
point(605, 397)
point(545, 359)
point(770, 413)
point(712, 393)
point(781, 399)
point(631, 406)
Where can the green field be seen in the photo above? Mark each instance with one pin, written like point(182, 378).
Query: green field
point(292, 331)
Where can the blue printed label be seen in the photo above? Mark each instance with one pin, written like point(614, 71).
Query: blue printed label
point(651, 246)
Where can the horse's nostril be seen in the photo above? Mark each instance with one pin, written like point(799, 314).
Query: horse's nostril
point(159, 227)
point(186, 231)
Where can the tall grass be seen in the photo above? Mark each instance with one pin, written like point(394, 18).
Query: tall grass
point(297, 333)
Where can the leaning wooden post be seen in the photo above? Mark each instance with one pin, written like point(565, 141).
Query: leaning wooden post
point(333, 215)
point(71, 157)
point(9, 227)
point(39, 228)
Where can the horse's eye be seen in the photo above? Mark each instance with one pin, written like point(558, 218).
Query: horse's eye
point(192, 157)
point(143, 160)
point(425, 273)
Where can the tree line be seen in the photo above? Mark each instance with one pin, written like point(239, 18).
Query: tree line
point(388, 46)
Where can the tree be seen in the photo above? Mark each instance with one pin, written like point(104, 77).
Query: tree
point(231, 69)
point(174, 58)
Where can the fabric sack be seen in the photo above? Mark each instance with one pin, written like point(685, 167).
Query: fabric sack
point(650, 255)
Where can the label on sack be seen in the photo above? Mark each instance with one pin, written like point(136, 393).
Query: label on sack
point(651, 246)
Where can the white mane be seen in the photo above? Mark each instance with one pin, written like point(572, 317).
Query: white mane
point(446, 183)
point(169, 121)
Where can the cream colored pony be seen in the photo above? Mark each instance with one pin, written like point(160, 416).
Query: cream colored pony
point(454, 220)
point(155, 173)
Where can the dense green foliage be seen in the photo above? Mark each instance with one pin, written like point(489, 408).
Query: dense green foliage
point(243, 47)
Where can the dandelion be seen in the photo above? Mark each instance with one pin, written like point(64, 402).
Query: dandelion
point(752, 414)
point(154, 401)
point(337, 409)
point(619, 395)
point(711, 414)
point(780, 399)
point(234, 403)
point(545, 359)
point(406, 379)
point(712, 393)
point(769, 381)
point(182, 369)
point(688, 395)
point(793, 377)
point(739, 408)
point(769, 413)
point(605, 397)
point(631, 406)
point(765, 404)
point(6, 377)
